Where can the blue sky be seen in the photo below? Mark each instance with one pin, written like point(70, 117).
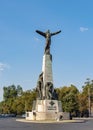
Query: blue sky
point(22, 49)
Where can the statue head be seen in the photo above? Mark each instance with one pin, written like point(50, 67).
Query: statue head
point(48, 34)
point(48, 31)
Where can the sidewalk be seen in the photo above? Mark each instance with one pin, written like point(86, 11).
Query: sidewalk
point(62, 121)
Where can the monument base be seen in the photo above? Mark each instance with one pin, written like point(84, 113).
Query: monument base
point(47, 110)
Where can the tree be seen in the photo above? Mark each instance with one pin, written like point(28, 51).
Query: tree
point(69, 98)
point(83, 102)
point(88, 93)
point(28, 97)
point(10, 95)
point(19, 90)
point(12, 91)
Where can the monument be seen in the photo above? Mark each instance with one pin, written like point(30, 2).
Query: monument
point(46, 106)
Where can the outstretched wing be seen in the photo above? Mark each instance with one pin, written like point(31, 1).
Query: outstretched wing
point(55, 33)
point(41, 33)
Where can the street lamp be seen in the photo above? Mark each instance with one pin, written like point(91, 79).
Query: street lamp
point(89, 102)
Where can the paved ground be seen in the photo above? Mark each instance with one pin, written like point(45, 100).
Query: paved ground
point(12, 124)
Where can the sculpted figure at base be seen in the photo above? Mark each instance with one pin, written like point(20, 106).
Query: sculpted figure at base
point(49, 90)
point(47, 35)
point(55, 95)
point(39, 86)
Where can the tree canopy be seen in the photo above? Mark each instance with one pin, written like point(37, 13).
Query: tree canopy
point(17, 101)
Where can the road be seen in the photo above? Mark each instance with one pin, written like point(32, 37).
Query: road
point(12, 124)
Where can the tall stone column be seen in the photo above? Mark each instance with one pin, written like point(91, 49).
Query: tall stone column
point(47, 71)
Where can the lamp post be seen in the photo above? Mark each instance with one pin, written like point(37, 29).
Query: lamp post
point(89, 102)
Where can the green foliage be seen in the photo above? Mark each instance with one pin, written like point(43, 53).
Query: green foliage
point(18, 101)
point(83, 103)
point(86, 100)
point(12, 91)
point(29, 96)
point(19, 90)
point(69, 98)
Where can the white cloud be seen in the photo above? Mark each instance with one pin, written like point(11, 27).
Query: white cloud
point(82, 29)
point(3, 66)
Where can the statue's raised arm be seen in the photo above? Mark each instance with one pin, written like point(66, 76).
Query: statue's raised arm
point(55, 33)
point(41, 33)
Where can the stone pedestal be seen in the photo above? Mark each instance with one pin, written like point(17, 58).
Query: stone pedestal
point(48, 106)
point(45, 110)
